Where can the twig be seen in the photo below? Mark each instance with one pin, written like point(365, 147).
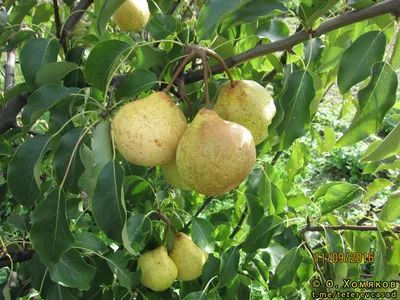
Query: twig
point(58, 25)
point(9, 112)
point(9, 71)
point(345, 227)
point(240, 223)
point(276, 158)
point(160, 216)
point(302, 36)
point(173, 7)
point(202, 207)
point(188, 9)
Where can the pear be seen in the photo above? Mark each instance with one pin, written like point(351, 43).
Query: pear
point(170, 172)
point(215, 156)
point(147, 131)
point(188, 257)
point(132, 15)
point(158, 270)
point(248, 104)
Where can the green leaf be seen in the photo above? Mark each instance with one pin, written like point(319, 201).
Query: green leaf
point(43, 50)
point(19, 221)
point(273, 30)
point(229, 266)
point(40, 278)
point(211, 16)
point(42, 100)
point(329, 139)
point(391, 210)
point(139, 80)
point(335, 245)
point(162, 26)
point(395, 58)
point(210, 268)
point(339, 195)
point(118, 264)
point(102, 62)
point(5, 148)
point(19, 12)
point(295, 101)
point(298, 159)
point(203, 234)
point(260, 236)
point(375, 187)
point(253, 11)
point(311, 10)
point(90, 241)
point(43, 13)
point(138, 228)
point(71, 270)
point(17, 89)
point(23, 175)
point(388, 147)
point(75, 78)
point(108, 8)
point(374, 100)
point(62, 158)
point(101, 144)
point(149, 56)
point(58, 291)
point(108, 201)
point(50, 234)
point(358, 59)
point(54, 72)
point(19, 37)
point(196, 296)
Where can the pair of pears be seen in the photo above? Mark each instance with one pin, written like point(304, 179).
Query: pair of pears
point(184, 262)
point(211, 156)
point(132, 15)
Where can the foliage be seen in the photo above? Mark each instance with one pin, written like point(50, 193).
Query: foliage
point(322, 202)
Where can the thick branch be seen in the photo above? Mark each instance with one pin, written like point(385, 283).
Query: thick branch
point(76, 14)
point(302, 36)
point(8, 114)
point(17, 256)
point(9, 70)
point(345, 227)
point(58, 25)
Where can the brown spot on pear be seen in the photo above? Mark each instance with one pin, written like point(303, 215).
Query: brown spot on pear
point(215, 156)
point(147, 131)
point(248, 104)
point(171, 174)
point(132, 15)
point(158, 270)
point(188, 257)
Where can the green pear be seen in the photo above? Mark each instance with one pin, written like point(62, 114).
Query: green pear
point(215, 156)
point(147, 131)
point(158, 270)
point(248, 104)
point(170, 172)
point(132, 15)
point(188, 257)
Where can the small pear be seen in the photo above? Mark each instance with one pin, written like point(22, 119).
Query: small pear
point(132, 15)
point(147, 131)
point(188, 257)
point(170, 172)
point(158, 270)
point(215, 156)
point(248, 104)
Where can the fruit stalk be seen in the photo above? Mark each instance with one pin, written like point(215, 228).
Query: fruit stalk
point(178, 71)
point(222, 62)
point(205, 67)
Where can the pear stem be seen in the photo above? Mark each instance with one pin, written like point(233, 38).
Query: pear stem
point(187, 59)
point(222, 62)
point(167, 221)
point(206, 91)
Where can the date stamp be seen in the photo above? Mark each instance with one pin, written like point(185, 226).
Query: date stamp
point(348, 257)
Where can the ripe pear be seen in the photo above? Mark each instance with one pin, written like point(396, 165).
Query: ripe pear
point(215, 156)
point(147, 131)
point(170, 172)
point(158, 270)
point(132, 15)
point(248, 104)
point(188, 257)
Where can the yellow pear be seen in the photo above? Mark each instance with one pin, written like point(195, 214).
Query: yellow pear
point(147, 131)
point(158, 270)
point(215, 156)
point(188, 257)
point(248, 104)
point(170, 172)
point(132, 15)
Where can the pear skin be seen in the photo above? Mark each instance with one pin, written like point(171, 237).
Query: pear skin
point(171, 174)
point(158, 270)
point(215, 156)
point(188, 257)
point(132, 15)
point(248, 104)
point(147, 132)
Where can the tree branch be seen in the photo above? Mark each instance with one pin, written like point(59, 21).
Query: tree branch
point(173, 7)
point(76, 14)
point(348, 18)
point(202, 207)
point(9, 71)
point(8, 114)
point(240, 223)
point(17, 256)
point(58, 25)
point(344, 227)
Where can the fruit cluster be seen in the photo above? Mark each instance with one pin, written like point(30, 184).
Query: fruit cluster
point(184, 262)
